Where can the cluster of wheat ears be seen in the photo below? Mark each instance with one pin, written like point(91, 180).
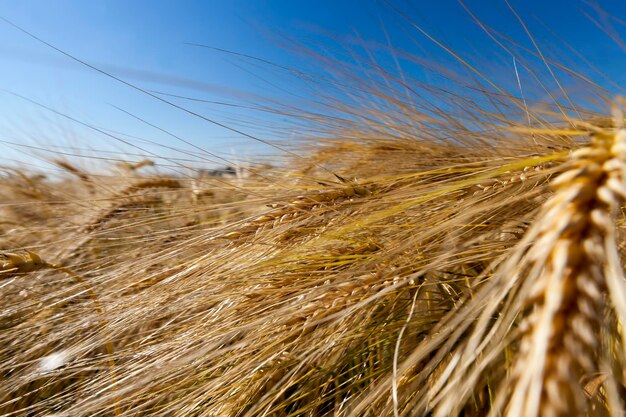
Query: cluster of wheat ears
point(411, 260)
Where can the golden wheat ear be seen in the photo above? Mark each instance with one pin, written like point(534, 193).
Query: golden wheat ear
point(574, 256)
point(19, 263)
point(545, 305)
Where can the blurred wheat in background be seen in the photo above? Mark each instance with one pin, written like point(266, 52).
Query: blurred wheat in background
point(427, 251)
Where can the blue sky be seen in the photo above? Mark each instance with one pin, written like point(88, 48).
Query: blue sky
point(147, 43)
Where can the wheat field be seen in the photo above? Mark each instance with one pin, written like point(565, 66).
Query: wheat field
point(404, 259)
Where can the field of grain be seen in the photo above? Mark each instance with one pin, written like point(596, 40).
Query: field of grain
point(408, 260)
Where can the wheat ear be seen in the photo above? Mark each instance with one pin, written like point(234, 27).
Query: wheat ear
point(570, 255)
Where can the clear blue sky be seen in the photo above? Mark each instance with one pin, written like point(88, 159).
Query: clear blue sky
point(146, 43)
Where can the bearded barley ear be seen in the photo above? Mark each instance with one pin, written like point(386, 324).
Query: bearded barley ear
point(82, 175)
point(152, 183)
point(572, 254)
point(133, 167)
point(20, 263)
point(125, 200)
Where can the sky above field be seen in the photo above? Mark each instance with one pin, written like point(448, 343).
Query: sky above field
point(246, 46)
